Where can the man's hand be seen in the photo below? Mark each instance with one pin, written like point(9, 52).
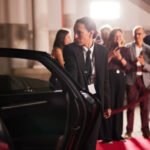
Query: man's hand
point(107, 113)
point(141, 60)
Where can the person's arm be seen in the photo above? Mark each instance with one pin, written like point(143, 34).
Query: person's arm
point(130, 64)
point(125, 59)
point(59, 56)
point(70, 62)
point(119, 57)
point(146, 66)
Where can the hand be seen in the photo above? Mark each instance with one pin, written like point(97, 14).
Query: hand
point(141, 60)
point(107, 113)
point(110, 54)
point(113, 54)
point(117, 54)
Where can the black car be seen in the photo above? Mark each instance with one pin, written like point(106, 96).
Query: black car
point(34, 114)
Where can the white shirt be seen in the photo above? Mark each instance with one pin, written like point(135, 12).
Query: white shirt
point(138, 51)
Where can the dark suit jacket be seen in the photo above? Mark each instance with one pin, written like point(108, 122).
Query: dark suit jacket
point(74, 64)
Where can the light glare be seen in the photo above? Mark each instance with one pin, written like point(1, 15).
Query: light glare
point(105, 10)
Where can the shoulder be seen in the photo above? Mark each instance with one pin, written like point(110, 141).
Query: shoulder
point(71, 50)
point(146, 46)
point(129, 45)
point(125, 48)
point(100, 52)
point(125, 51)
point(68, 49)
point(56, 51)
point(100, 48)
point(71, 46)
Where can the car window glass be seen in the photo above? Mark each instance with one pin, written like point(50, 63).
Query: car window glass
point(25, 76)
point(34, 112)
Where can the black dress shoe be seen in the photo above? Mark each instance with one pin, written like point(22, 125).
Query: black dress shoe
point(119, 138)
point(128, 135)
point(146, 134)
point(107, 141)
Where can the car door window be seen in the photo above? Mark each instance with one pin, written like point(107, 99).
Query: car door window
point(32, 109)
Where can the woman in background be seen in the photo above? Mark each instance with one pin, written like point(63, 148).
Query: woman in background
point(63, 37)
point(119, 61)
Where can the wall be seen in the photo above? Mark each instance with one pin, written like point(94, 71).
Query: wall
point(16, 23)
point(133, 12)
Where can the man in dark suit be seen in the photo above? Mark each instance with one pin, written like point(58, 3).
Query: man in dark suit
point(90, 75)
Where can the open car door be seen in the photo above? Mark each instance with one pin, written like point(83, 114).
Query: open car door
point(35, 115)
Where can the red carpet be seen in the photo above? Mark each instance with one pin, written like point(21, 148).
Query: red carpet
point(3, 146)
point(138, 143)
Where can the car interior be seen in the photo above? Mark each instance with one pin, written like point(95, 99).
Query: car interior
point(34, 117)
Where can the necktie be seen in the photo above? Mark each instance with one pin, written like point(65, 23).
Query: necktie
point(88, 65)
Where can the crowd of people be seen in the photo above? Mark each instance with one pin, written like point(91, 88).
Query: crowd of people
point(109, 68)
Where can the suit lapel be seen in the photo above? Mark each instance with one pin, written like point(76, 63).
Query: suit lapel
point(146, 56)
point(133, 52)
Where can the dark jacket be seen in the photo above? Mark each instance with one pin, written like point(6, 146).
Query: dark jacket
point(74, 64)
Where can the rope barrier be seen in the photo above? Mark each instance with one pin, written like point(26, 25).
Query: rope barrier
point(131, 105)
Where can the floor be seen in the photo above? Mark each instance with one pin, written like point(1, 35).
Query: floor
point(135, 143)
point(137, 123)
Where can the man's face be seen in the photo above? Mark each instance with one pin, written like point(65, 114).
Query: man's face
point(81, 35)
point(139, 35)
point(105, 34)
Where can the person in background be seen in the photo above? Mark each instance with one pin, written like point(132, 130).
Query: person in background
point(138, 82)
point(102, 37)
point(147, 41)
point(119, 65)
point(105, 32)
point(87, 63)
point(105, 134)
point(63, 37)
